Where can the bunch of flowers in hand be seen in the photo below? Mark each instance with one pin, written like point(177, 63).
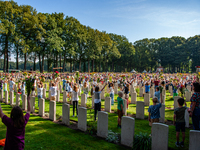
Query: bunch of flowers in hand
point(110, 79)
point(57, 74)
point(29, 84)
point(182, 89)
point(42, 78)
point(160, 88)
point(98, 80)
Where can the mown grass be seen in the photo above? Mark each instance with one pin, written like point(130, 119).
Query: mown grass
point(42, 134)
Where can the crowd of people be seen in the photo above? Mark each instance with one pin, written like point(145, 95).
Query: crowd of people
point(93, 84)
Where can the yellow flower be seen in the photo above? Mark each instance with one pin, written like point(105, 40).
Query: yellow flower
point(199, 73)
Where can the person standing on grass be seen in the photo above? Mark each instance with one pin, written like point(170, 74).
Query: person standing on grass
point(85, 90)
point(120, 106)
point(75, 99)
point(39, 92)
point(157, 94)
point(15, 135)
point(111, 90)
point(53, 90)
point(11, 85)
point(179, 116)
point(195, 106)
point(154, 110)
point(97, 99)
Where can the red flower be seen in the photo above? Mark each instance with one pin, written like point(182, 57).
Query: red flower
point(57, 72)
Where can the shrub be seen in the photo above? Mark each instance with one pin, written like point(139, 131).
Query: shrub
point(142, 141)
point(137, 90)
point(113, 137)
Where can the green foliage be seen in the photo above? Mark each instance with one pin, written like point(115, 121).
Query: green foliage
point(92, 128)
point(142, 141)
point(113, 137)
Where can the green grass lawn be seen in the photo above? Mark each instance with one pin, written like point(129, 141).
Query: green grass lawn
point(44, 134)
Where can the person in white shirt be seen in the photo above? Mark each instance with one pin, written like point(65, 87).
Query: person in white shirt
point(11, 85)
point(75, 99)
point(39, 92)
point(53, 90)
point(97, 99)
point(23, 88)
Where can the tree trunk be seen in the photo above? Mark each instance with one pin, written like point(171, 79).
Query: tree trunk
point(17, 57)
point(42, 63)
point(25, 61)
point(80, 65)
point(5, 57)
point(93, 65)
point(64, 63)
point(60, 60)
point(56, 61)
point(34, 64)
point(88, 65)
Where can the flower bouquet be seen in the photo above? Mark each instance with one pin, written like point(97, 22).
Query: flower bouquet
point(42, 78)
point(25, 73)
point(29, 84)
point(57, 74)
point(182, 90)
point(160, 88)
point(110, 79)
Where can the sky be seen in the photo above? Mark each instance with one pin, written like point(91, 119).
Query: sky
point(135, 19)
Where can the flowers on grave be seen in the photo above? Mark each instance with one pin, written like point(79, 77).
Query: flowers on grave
point(123, 77)
point(25, 73)
point(182, 89)
point(56, 74)
point(29, 84)
point(110, 79)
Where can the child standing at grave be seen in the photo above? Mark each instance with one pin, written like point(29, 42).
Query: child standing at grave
point(154, 110)
point(157, 94)
point(75, 99)
point(39, 92)
point(179, 116)
point(85, 90)
point(147, 87)
point(15, 127)
point(97, 99)
point(53, 90)
point(120, 107)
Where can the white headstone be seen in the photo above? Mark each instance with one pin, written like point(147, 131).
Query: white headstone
point(188, 95)
point(11, 98)
point(83, 100)
point(133, 97)
point(162, 114)
point(152, 91)
point(146, 99)
point(24, 102)
point(82, 118)
point(160, 136)
point(141, 92)
point(194, 143)
point(17, 99)
point(127, 131)
point(66, 114)
point(44, 93)
point(140, 109)
point(41, 107)
point(52, 110)
point(32, 102)
point(64, 97)
point(58, 96)
point(6, 97)
point(102, 124)
point(108, 104)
